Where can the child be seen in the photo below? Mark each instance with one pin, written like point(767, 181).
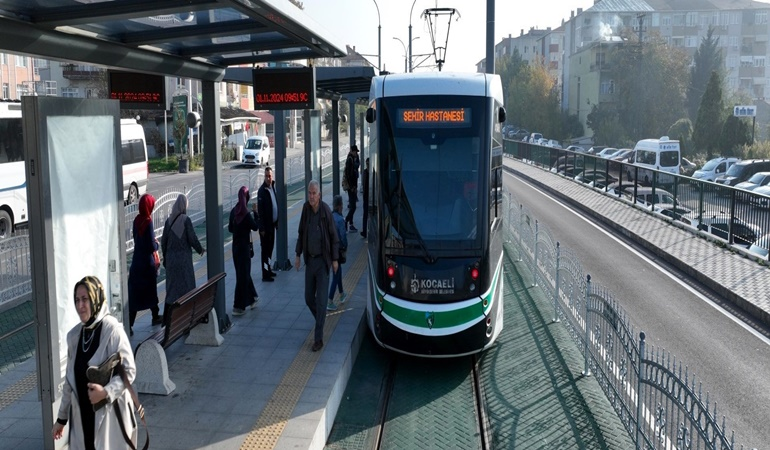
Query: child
point(339, 222)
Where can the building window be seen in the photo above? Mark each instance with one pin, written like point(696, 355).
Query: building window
point(6, 91)
point(655, 19)
point(3, 59)
point(724, 19)
point(734, 42)
point(21, 61)
point(678, 19)
point(760, 18)
point(607, 87)
point(732, 62)
point(21, 90)
point(691, 41)
point(759, 61)
point(525, 49)
point(735, 18)
point(677, 41)
point(70, 92)
point(665, 20)
point(692, 19)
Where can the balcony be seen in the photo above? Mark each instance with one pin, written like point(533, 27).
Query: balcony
point(77, 72)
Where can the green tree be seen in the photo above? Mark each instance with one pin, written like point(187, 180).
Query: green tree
point(708, 58)
point(708, 126)
point(571, 127)
point(736, 133)
point(682, 131)
point(605, 123)
point(650, 86)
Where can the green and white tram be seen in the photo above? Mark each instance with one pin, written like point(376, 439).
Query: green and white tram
point(435, 212)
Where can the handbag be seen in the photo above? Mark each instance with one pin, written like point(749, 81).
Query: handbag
point(102, 374)
point(251, 246)
point(156, 259)
point(343, 256)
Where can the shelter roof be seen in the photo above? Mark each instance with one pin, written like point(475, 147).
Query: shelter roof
point(186, 38)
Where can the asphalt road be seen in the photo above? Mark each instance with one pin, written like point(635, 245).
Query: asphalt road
point(730, 359)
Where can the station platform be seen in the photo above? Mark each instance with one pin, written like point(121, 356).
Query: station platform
point(264, 388)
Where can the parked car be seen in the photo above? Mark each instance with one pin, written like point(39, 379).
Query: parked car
point(622, 155)
point(761, 197)
point(534, 137)
point(645, 196)
point(757, 180)
point(743, 170)
point(714, 168)
point(596, 149)
point(686, 167)
point(744, 233)
point(552, 143)
point(607, 152)
point(595, 178)
point(576, 148)
point(760, 246)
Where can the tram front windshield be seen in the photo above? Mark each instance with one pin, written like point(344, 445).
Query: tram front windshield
point(432, 156)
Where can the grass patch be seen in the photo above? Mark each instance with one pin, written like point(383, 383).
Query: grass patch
point(162, 165)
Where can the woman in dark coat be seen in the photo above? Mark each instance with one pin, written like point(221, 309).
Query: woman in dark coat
point(177, 242)
point(143, 274)
point(241, 225)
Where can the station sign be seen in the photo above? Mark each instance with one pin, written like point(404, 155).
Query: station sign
point(137, 90)
point(745, 111)
point(284, 88)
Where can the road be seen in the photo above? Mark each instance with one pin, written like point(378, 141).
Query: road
point(729, 358)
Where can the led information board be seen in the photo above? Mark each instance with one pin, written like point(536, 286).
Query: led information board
point(137, 90)
point(434, 117)
point(284, 88)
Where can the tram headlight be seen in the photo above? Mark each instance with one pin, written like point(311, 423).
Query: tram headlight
point(392, 284)
point(472, 287)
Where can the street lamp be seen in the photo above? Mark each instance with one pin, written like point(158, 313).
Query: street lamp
point(410, 35)
point(408, 68)
point(379, 39)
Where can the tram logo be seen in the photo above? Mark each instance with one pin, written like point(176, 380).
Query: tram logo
point(432, 285)
point(429, 318)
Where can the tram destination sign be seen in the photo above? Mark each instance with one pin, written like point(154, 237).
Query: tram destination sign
point(137, 90)
point(434, 117)
point(284, 88)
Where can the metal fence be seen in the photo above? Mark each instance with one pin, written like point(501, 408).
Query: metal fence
point(15, 264)
point(660, 404)
point(734, 216)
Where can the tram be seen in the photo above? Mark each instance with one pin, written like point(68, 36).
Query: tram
point(435, 220)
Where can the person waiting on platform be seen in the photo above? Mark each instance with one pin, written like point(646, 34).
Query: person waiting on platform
point(177, 243)
point(339, 223)
point(241, 225)
point(267, 206)
point(143, 273)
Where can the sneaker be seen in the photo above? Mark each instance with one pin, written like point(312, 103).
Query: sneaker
point(238, 312)
point(157, 320)
point(254, 304)
point(343, 297)
point(331, 306)
point(317, 346)
point(352, 228)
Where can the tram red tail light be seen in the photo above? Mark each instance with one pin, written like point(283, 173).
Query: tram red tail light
point(391, 271)
point(475, 273)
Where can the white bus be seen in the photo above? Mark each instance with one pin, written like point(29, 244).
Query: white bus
point(13, 179)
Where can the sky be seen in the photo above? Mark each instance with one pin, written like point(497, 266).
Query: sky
point(354, 23)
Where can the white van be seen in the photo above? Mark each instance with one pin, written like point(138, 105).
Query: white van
point(257, 151)
point(714, 168)
point(659, 154)
point(136, 171)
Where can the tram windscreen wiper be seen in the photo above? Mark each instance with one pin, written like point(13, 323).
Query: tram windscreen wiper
point(401, 210)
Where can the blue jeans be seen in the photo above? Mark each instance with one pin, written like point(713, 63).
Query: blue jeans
point(336, 281)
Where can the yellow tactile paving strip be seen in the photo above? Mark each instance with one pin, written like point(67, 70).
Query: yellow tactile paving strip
point(271, 423)
point(18, 389)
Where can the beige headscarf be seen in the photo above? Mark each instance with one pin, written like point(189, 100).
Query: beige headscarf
point(178, 215)
point(98, 299)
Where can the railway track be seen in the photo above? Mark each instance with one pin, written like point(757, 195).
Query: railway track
point(432, 403)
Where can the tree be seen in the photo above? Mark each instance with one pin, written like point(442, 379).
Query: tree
point(708, 58)
point(605, 123)
point(682, 130)
point(708, 127)
point(735, 134)
point(649, 86)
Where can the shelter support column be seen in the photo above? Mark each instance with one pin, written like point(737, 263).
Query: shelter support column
point(212, 170)
point(282, 260)
point(335, 147)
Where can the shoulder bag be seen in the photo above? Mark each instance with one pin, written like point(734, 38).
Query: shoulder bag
point(102, 374)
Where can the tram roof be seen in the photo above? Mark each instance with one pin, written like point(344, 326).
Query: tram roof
point(195, 39)
point(437, 83)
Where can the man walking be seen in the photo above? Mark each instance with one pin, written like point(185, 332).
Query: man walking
point(268, 222)
point(350, 175)
point(318, 245)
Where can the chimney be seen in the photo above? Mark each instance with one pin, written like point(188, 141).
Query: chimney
point(572, 14)
point(522, 32)
point(580, 10)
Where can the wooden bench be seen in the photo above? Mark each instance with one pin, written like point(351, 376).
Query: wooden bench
point(191, 315)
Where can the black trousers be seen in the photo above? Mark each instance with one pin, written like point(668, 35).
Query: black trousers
point(268, 243)
point(352, 200)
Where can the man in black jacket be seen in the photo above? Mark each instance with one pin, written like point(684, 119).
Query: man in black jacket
point(268, 222)
point(318, 244)
point(352, 164)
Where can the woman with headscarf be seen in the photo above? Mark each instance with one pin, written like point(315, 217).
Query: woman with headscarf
point(177, 242)
point(90, 343)
point(241, 225)
point(143, 274)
